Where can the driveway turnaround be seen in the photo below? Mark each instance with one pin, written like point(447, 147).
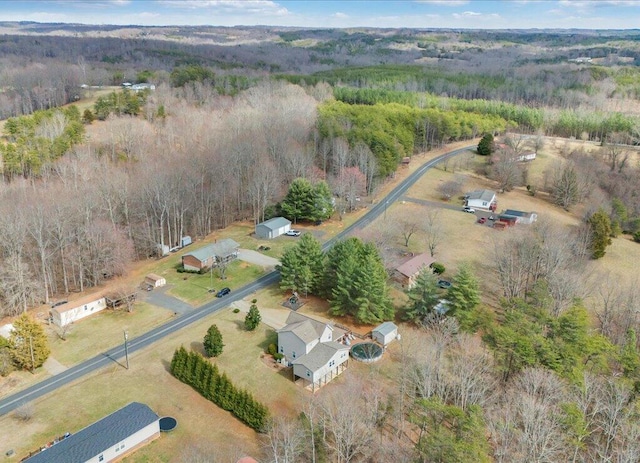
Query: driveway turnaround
point(117, 353)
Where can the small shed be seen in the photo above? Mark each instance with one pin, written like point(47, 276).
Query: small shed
point(185, 241)
point(273, 228)
point(5, 330)
point(154, 280)
point(385, 333)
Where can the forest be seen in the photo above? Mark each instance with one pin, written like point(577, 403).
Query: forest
point(240, 132)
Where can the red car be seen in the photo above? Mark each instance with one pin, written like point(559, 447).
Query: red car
point(482, 220)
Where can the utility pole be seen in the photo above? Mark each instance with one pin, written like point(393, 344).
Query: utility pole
point(126, 347)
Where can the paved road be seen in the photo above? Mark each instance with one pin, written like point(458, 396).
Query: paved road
point(117, 353)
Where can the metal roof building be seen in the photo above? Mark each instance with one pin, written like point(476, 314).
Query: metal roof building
point(109, 439)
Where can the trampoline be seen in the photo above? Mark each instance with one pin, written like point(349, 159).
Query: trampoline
point(168, 424)
point(367, 352)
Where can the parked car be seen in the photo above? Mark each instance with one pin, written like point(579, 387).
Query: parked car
point(469, 209)
point(492, 217)
point(223, 292)
point(482, 220)
point(444, 284)
point(293, 233)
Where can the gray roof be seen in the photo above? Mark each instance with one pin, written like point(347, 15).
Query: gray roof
point(514, 213)
point(296, 324)
point(222, 248)
point(386, 328)
point(275, 223)
point(320, 355)
point(98, 437)
point(484, 195)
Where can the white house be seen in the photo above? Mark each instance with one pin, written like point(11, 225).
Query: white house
point(309, 346)
point(110, 439)
point(273, 228)
point(482, 199)
point(527, 156)
point(155, 281)
point(385, 333)
point(73, 311)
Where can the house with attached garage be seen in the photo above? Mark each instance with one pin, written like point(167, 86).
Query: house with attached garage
point(222, 251)
point(72, 311)
point(273, 228)
point(481, 199)
point(311, 348)
point(107, 440)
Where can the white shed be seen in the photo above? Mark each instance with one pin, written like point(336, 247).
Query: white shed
point(154, 280)
point(273, 228)
point(385, 333)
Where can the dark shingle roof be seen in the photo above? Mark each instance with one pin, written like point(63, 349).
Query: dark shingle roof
point(99, 436)
point(222, 249)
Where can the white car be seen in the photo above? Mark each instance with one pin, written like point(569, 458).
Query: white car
point(469, 209)
point(293, 233)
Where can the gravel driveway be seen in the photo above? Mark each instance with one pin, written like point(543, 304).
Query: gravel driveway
point(254, 257)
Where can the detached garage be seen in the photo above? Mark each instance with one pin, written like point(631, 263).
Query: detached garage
point(273, 228)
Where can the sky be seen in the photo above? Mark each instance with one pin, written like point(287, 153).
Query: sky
point(474, 14)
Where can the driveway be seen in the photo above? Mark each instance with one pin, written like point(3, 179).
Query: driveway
point(160, 298)
point(254, 257)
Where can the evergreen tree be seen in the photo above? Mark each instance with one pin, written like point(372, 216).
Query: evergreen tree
point(213, 342)
point(87, 116)
point(360, 287)
point(301, 266)
point(323, 206)
point(29, 344)
point(629, 357)
point(341, 251)
point(486, 145)
point(299, 203)
point(463, 296)
point(600, 226)
point(253, 318)
point(423, 296)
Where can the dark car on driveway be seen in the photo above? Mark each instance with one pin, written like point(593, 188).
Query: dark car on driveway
point(223, 292)
point(444, 284)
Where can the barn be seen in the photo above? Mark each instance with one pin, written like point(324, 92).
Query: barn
point(73, 311)
point(109, 439)
point(273, 228)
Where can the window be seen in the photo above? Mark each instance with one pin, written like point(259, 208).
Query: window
point(100, 457)
point(282, 349)
point(85, 307)
point(332, 363)
point(293, 354)
point(308, 373)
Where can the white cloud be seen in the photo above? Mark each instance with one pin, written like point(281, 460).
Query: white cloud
point(444, 2)
point(340, 15)
point(597, 3)
point(266, 7)
point(466, 14)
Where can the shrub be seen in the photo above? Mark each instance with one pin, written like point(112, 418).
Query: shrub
point(636, 237)
point(236, 310)
point(272, 349)
point(278, 356)
point(437, 268)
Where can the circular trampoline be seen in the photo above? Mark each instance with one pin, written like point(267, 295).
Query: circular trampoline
point(168, 423)
point(367, 352)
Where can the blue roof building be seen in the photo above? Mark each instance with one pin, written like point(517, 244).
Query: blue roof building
point(109, 439)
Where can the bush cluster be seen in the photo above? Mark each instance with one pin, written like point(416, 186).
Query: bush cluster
point(193, 369)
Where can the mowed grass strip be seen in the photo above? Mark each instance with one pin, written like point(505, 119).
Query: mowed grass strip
point(148, 380)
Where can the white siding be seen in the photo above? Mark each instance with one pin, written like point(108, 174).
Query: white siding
point(289, 344)
point(334, 362)
point(63, 318)
point(327, 335)
point(127, 445)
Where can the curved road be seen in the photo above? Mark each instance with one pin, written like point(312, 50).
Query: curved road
point(99, 361)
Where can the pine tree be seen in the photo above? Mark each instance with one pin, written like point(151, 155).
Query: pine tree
point(463, 296)
point(213, 342)
point(253, 318)
point(301, 266)
point(600, 226)
point(423, 296)
point(28, 343)
point(486, 145)
point(629, 357)
point(299, 203)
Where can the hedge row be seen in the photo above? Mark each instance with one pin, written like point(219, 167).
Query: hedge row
point(193, 369)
